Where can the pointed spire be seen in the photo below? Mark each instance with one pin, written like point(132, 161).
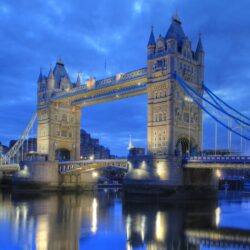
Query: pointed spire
point(176, 17)
point(78, 81)
point(175, 30)
point(51, 75)
point(152, 37)
point(40, 77)
point(199, 45)
point(60, 61)
point(130, 143)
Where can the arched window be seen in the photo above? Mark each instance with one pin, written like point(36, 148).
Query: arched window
point(160, 117)
point(156, 94)
point(64, 117)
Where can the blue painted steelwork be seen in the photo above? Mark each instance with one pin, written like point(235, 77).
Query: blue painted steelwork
point(218, 159)
point(104, 83)
point(204, 99)
point(184, 85)
point(210, 93)
point(112, 93)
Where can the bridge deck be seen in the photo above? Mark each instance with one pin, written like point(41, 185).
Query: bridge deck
point(9, 168)
point(218, 162)
point(219, 237)
point(68, 167)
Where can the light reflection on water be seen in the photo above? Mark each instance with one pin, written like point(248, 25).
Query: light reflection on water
point(105, 221)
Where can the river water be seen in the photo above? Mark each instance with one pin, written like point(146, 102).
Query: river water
point(105, 220)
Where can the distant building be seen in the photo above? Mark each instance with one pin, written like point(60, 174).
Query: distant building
point(134, 152)
point(3, 149)
point(29, 145)
point(91, 148)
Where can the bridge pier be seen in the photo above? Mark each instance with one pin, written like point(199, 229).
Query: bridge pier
point(80, 181)
point(169, 179)
point(38, 174)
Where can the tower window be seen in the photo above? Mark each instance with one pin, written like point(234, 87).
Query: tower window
point(64, 117)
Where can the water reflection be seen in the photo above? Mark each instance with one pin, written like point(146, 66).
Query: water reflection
point(104, 221)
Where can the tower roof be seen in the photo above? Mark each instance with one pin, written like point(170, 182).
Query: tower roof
point(175, 30)
point(199, 45)
point(151, 40)
point(51, 75)
point(78, 81)
point(130, 143)
point(60, 72)
point(40, 77)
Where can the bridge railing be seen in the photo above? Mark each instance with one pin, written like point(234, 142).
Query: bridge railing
point(219, 159)
point(69, 166)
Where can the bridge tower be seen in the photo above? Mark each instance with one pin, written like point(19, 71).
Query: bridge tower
point(174, 121)
point(58, 121)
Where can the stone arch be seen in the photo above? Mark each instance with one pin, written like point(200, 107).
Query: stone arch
point(183, 146)
point(62, 154)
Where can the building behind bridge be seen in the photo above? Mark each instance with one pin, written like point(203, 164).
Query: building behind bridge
point(91, 148)
point(3, 149)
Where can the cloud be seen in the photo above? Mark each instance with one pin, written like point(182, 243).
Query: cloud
point(86, 33)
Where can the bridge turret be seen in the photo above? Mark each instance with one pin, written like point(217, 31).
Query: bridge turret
point(151, 43)
point(51, 80)
point(160, 46)
point(199, 56)
point(78, 81)
point(199, 53)
point(39, 81)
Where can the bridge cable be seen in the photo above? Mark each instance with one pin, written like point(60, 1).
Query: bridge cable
point(213, 105)
point(16, 147)
point(227, 105)
point(208, 112)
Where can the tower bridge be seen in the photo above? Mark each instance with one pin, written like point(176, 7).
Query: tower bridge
point(174, 84)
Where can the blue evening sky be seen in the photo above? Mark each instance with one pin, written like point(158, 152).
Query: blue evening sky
point(35, 33)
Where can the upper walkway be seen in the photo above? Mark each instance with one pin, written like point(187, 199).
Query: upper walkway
point(113, 88)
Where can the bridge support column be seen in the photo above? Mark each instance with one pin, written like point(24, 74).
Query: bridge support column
point(39, 174)
point(81, 181)
point(169, 179)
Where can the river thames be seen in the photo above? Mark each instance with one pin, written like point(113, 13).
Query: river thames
point(104, 220)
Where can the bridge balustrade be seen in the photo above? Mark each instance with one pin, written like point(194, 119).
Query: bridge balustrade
point(219, 159)
point(67, 167)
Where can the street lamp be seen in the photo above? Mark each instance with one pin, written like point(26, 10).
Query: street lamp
point(189, 100)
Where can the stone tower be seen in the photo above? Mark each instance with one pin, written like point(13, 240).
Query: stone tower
point(174, 120)
point(58, 121)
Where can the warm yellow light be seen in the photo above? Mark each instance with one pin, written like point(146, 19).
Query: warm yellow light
point(92, 157)
point(94, 215)
point(143, 166)
point(162, 171)
point(128, 227)
point(42, 233)
point(95, 174)
point(217, 216)
point(218, 173)
point(160, 226)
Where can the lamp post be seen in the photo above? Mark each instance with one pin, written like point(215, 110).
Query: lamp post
point(189, 100)
point(215, 139)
